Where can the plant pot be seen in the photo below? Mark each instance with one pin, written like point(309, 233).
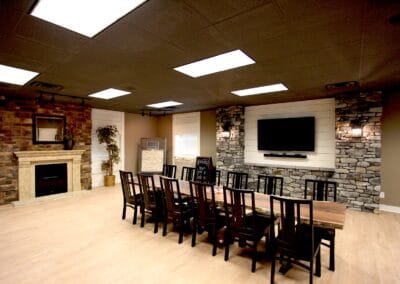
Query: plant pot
point(109, 180)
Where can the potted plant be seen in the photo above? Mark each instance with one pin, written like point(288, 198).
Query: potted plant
point(69, 141)
point(107, 135)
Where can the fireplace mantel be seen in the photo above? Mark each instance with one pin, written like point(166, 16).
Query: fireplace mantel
point(27, 160)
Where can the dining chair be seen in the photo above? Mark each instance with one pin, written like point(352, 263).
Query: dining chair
point(176, 209)
point(296, 239)
point(187, 173)
point(211, 176)
point(169, 171)
point(206, 217)
point(242, 223)
point(323, 190)
point(270, 185)
point(152, 199)
point(237, 180)
point(131, 198)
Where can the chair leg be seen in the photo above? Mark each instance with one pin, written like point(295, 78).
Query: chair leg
point(142, 217)
point(273, 268)
point(311, 269)
point(318, 264)
point(227, 243)
point(124, 212)
point(214, 241)
point(156, 222)
point(254, 258)
point(332, 255)
point(181, 227)
point(134, 215)
point(194, 233)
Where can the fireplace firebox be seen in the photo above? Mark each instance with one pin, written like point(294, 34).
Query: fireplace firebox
point(50, 179)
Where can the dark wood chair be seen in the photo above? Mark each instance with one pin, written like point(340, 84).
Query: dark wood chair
point(237, 180)
point(131, 198)
point(206, 217)
point(295, 240)
point(187, 173)
point(152, 200)
point(169, 171)
point(211, 176)
point(323, 190)
point(242, 222)
point(270, 185)
point(176, 210)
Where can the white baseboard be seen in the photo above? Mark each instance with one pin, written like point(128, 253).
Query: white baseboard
point(389, 208)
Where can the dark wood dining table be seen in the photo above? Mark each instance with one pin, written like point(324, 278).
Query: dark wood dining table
point(326, 214)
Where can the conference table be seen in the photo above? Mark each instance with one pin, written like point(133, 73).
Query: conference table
point(326, 214)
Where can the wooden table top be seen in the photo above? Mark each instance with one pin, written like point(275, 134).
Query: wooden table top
point(327, 214)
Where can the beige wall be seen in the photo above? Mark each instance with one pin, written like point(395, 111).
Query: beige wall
point(391, 150)
point(136, 127)
point(164, 130)
point(208, 135)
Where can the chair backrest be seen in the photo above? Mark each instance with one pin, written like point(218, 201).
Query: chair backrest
point(270, 185)
point(320, 189)
point(212, 176)
point(203, 198)
point(128, 186)
point(237, 180)
point(146, 184)
point(187, 173)
point(169, 171)
point(172, 194)
point(292, 229)
point(240, 212)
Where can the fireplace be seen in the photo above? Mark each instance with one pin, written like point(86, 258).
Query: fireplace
point(30, 161)
point(50, 179)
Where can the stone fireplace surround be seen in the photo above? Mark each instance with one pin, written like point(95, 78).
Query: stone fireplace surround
point(27, 160)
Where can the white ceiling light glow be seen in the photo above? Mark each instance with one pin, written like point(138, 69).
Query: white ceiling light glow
point(222, 62)
point(165, 104)
point(109, 94)
point(87, 17)
point(261, 90)
point(17, 76)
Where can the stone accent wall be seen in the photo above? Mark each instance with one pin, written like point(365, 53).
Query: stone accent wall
point(357, 159)
point(16, 135)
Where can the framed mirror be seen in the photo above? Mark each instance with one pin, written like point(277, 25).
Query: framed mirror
point(48, 129)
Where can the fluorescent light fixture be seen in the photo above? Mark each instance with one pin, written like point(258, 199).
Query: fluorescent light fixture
point(165, 104)
point(15, 75)
point(109, 94)
point(87, 17)
point(222, 62)
point(260, 90)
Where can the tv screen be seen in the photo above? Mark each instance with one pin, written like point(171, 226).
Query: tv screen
point(286, 134)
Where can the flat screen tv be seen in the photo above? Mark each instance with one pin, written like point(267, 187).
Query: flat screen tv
point(286, 134)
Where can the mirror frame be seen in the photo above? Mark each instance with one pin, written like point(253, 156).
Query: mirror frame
point(59, 121)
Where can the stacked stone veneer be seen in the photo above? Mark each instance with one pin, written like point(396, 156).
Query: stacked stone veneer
point(16, 135)
point(357, 159)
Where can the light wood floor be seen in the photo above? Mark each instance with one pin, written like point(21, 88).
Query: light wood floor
point(82, 239)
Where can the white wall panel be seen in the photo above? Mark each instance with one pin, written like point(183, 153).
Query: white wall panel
point(323, 157)
point(101, 117)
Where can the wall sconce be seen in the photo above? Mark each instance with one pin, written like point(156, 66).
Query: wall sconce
point(356, 128)
point(226, 130)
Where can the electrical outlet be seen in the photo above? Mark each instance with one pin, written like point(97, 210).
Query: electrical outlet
point(382, 194)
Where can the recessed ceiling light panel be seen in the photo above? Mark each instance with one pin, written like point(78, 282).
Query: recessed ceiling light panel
point(17, 76)
point(164, 104)
point(109, 94)
point(261, 90)
point(222, 62)
point(87, 17)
